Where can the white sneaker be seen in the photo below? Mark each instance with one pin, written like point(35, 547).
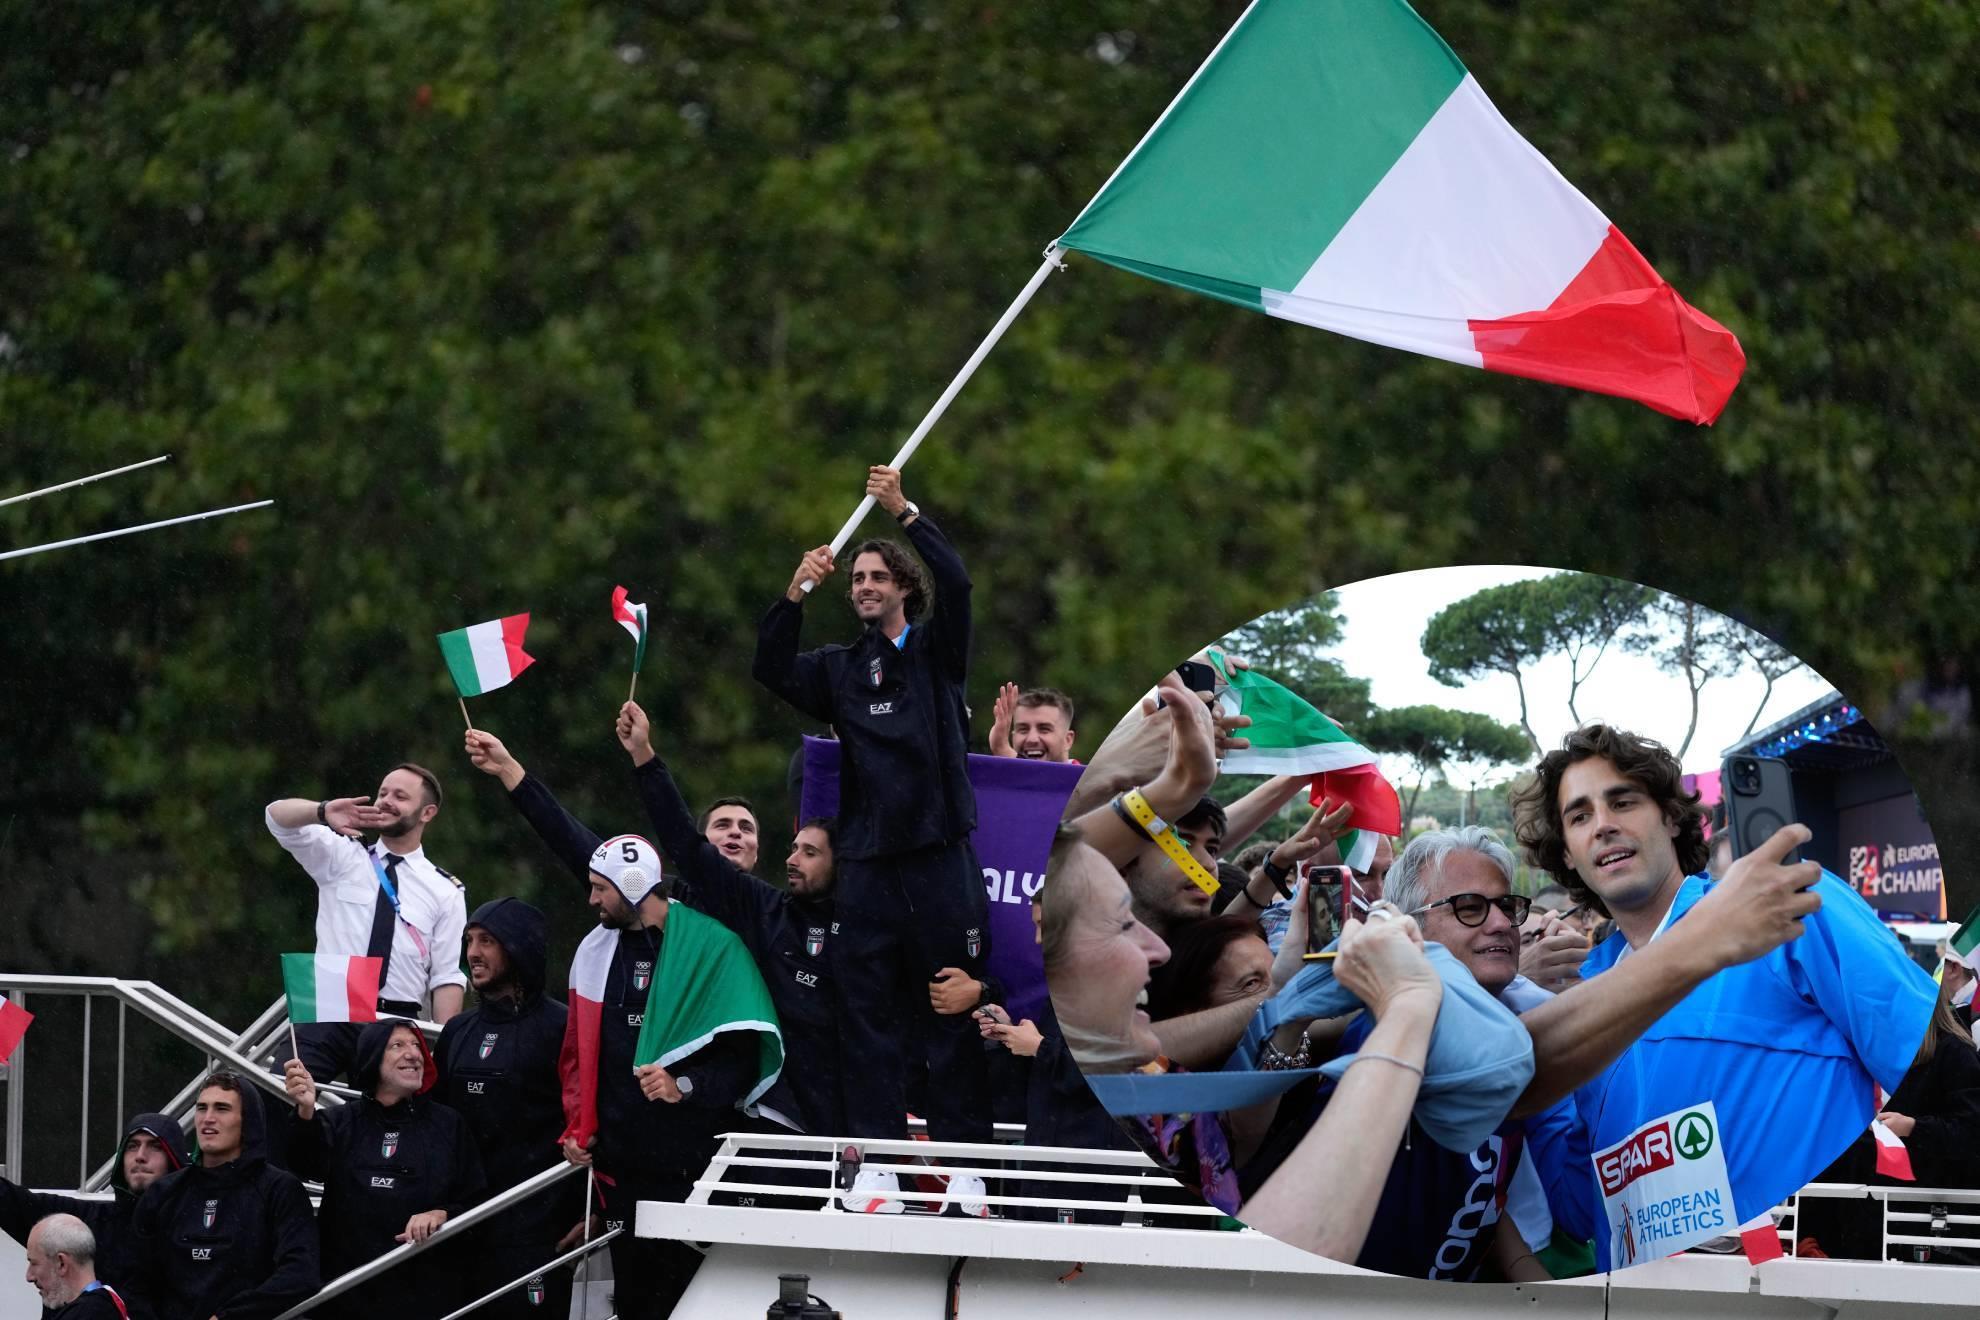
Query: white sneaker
point(860, 1199)
point(972, 1191)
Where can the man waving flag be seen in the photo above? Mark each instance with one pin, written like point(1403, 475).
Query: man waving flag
point(1333, 163)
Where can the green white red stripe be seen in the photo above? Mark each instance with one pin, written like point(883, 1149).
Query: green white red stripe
point(331, 987)
point(1965, 942)
point(486, 656)
point(14, 1022)
point(1333, 163)
point(631, 616)
point(1287, 735)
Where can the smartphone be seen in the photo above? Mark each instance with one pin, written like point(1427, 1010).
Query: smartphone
point(1197, 676)
point(1759, 794)
point(1327, 888)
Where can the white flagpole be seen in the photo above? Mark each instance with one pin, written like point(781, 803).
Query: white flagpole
point(129, 531)
point(82, 481)
point(1053, 261)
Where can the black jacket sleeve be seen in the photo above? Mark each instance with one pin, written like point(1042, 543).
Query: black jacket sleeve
point(949, 626)
point(296, 1271)
point(21, 1208)
point(722, 1070)
point(564, 834)
point(1945, 1143)
point(312, 1141)
point(715, 885)
point(799, 678)
point(469, 1184)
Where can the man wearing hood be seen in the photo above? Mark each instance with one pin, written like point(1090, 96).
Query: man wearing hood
point(152, 1147)
point(394, 1166)
point(229, 1236)
point(498, 1070)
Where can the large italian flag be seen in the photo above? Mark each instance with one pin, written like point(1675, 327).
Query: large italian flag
point(488, 655)
point(1333, 163)
point(577, 1060)
point(331, 987)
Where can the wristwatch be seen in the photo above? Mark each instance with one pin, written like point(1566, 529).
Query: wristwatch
point(322, 814)
point(1277, 875)
point(910, 511)
point(686, 1085)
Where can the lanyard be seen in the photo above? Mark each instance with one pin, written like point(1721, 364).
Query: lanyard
point(392, 893)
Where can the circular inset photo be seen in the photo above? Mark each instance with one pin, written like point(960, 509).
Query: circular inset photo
point(1502, 924)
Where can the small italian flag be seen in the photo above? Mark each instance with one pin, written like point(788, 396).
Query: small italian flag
point(487, 655)
point(1333, 163)
point(1893, 1160)
point(1289, 737)
point(13, 1025)
point(631, 616)
point(331, 987)
point(1965, 942)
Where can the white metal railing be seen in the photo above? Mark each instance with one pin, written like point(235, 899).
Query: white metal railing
point(250, 1053)
point(452, 1229)
point(1903, 1208)
point(727, 1173)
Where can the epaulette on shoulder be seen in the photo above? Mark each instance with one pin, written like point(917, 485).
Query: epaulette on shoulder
point(447, 875)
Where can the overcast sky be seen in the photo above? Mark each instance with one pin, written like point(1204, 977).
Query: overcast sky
point(1385, 619)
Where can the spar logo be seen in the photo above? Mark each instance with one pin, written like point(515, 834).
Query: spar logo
point(1644, 1153)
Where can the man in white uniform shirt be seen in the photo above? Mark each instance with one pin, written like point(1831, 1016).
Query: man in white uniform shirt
point(383, 901)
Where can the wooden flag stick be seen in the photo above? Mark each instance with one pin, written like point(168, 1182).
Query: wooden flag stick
point(635, 686)
point(464, 714)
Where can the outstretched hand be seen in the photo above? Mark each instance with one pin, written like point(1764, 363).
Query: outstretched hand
point(1001, 716)
point(351, 817)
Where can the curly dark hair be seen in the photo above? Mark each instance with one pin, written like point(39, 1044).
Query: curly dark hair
point(1536, 803)
point(907, 571)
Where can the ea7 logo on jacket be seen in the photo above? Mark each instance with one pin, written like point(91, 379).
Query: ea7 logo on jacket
point(212, 1213)
point(488, 1043)
point(389, 1146)
point(380, 1180)
point(880, 708)
point(808, 978)
point(202, 1253)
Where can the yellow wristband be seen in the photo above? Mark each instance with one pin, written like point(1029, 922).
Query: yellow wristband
point(1165, 838)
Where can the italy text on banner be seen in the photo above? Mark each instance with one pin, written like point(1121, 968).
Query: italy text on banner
point(13, 1025)
point(331, 987)
point(487, 655)
point(1333, 163)
point(631, 616)
point(1018, 804)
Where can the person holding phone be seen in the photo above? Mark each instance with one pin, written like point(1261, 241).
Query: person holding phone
point(1776, 1002)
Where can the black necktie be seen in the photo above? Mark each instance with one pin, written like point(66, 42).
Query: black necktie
point(382, 917)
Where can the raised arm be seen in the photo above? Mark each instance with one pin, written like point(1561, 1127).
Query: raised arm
point(797, 678)
point(1757, 908)
point(715, 885)
point(565, 835)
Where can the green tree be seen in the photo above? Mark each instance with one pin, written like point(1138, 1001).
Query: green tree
point(1691, 642)
point(1289, 645)
point(1768, 658)
point(1500, 630)
point(1585, 612)
point(1434, 737)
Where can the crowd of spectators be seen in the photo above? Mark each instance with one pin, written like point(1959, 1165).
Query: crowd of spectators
point(1647, 973)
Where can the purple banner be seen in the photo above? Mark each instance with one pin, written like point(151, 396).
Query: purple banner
point(1017, 805)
